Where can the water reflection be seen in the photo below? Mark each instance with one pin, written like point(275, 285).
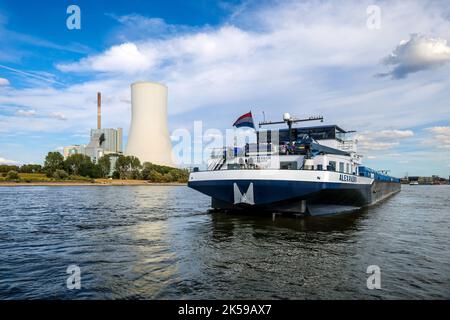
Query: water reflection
point(224, 224)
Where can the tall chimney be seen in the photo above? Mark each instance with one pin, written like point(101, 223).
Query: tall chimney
point(99, 110)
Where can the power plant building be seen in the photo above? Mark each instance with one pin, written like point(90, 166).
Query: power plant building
point(110, 140)
point(75, 149)
point(148, 138)
point(103, 141)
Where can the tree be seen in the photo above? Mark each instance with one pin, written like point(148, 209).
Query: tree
point(116, 175)
point(31, 168)
point(12, 175)
point(104, 164)
point(80, 164)
point(128, 167)
point(53, 162)
point(135, 167)
point(60, 174)
point(157, 173)
point(122, 166)
point(77, 164)
point(95, 171)
point(6, 168)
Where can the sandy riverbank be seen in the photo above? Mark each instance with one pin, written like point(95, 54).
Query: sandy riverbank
point(97, 182)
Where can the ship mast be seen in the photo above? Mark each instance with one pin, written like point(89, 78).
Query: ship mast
point(289, 121)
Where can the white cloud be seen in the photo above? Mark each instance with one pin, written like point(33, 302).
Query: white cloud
point(135, 27)
point(58, 116)
point(441, 136)
point(26, 113)
point(382, 140)
point(124, 58)
point(4, 82)
point(7, 161)
point(440, 130)
point(418, 53)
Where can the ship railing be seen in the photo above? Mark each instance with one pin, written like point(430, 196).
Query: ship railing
point(216, 164)
point(226, 152)
point(348, 145)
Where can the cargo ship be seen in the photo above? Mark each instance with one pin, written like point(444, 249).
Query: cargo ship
point(309, 171)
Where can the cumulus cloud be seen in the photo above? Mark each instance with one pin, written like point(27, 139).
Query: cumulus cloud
point(418, 53)
point(382, 140)
point(4, 82)
point(441, 135)
point(123, 58)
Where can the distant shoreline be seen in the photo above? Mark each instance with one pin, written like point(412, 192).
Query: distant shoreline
point(89, 183)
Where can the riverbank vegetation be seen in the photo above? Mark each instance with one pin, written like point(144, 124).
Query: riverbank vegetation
point(80, 168)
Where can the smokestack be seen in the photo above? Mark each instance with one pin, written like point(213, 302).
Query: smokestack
point(99, 110)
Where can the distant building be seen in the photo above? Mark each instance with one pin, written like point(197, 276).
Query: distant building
point(74, 149)
point(104, 141)
point(112, 142)
point(434, 179)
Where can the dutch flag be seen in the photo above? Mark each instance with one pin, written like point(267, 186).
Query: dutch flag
point(246, 120)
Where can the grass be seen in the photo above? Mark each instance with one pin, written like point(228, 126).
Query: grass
point(41, 177)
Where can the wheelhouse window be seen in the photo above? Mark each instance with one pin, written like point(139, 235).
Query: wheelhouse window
point(331, 166)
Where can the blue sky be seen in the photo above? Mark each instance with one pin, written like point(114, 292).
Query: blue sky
point(386, 78)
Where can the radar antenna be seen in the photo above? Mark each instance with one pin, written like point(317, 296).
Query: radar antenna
point(289, 121)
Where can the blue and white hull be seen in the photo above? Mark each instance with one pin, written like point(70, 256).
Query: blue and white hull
point(309, 192)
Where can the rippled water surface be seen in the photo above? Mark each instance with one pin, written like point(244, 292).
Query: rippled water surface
point(160, 243)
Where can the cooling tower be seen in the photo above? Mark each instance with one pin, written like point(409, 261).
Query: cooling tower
point(148, 138)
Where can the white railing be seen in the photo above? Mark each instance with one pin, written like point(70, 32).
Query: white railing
point(348, 145)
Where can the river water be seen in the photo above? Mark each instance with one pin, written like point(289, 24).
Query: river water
point(159, 242)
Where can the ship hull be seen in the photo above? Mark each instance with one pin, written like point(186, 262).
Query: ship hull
point(305, 192)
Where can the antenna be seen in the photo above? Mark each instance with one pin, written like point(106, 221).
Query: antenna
point(289, 121)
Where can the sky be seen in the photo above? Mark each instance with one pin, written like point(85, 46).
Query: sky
point(378, 67)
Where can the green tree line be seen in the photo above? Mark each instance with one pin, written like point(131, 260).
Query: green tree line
point(126, 167)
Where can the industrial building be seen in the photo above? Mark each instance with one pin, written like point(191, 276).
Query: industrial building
point(74, 149)
point(103, 141)
point(148, 138)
